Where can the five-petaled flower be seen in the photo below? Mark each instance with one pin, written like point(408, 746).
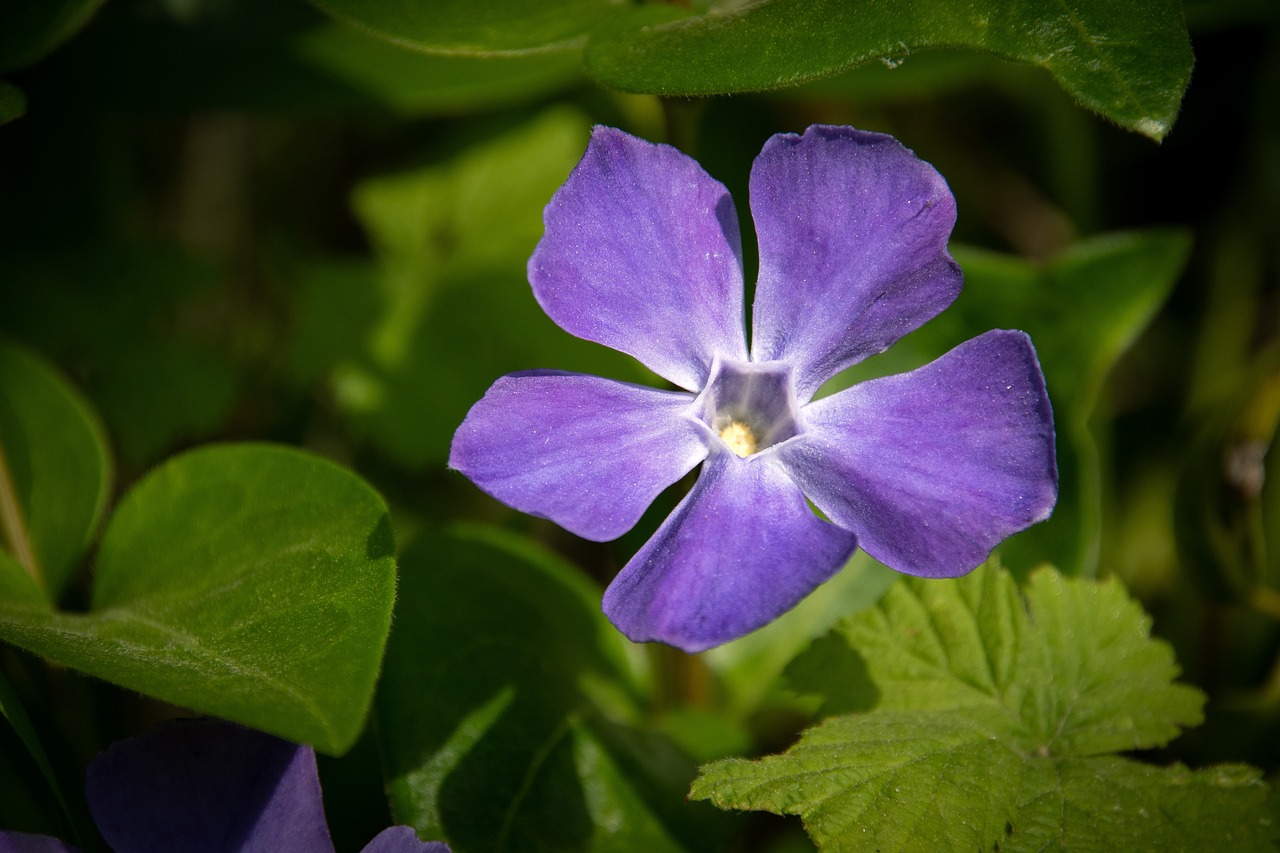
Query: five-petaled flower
point(205, 786)
point(927, 470)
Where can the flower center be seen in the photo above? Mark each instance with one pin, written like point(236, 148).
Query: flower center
point(740, 438)
point(750, 406)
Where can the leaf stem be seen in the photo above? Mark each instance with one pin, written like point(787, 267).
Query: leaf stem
point(13, 527)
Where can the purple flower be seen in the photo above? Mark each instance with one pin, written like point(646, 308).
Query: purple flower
point(927, 470)
point(204, 786)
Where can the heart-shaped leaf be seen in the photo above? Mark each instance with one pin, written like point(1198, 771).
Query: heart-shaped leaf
point(252, 582)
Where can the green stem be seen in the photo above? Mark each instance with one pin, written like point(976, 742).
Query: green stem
point(13, 527)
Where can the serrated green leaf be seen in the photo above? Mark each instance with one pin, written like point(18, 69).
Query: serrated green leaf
point(1078, 674)
point(1130, 61)
point(991, 727)
point(489, 707)
point(907, 780)
point(57, 473)
point(251, 582)
point(1100, 805)
point(930, 780)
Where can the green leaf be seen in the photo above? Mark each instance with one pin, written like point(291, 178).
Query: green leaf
point(475, 26)
point(1129, 61)
point(13, 103)
point(422, 84)
point(29, 29)
point(54, 469)
point(748, 668)
point(1083, 309)
point(992, 727)
point(251, 582)
point(285, 58)
point(452, 242)
point(491, 709)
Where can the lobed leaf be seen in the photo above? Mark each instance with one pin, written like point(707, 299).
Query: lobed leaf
point(993, 721)
point(1074, 670)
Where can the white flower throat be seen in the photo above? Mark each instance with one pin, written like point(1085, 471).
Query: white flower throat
point(750, 406)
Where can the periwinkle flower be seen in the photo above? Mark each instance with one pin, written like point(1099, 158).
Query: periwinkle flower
point(927, 470)
point(205, 786)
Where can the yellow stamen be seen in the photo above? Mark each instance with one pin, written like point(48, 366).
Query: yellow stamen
point(740, 438)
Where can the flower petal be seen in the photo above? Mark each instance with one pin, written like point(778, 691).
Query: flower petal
point(22, 842)
point(204, 786)
point(642, 254)
point(853, 232)
point(401, 839)
point(588, 453)
point(933, 468)
point(741, 549)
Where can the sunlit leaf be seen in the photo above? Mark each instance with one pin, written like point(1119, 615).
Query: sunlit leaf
point(992, 726)
point(251, 582)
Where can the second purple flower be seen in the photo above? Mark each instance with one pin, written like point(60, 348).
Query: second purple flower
point(927, 471)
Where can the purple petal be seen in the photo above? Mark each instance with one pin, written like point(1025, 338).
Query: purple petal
point(401, 839)
point(933, 468)
point(588, 453)
point(853, 232)
point(642, 254)
point(741, 549)
point(21, 842)
point(204, 786)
